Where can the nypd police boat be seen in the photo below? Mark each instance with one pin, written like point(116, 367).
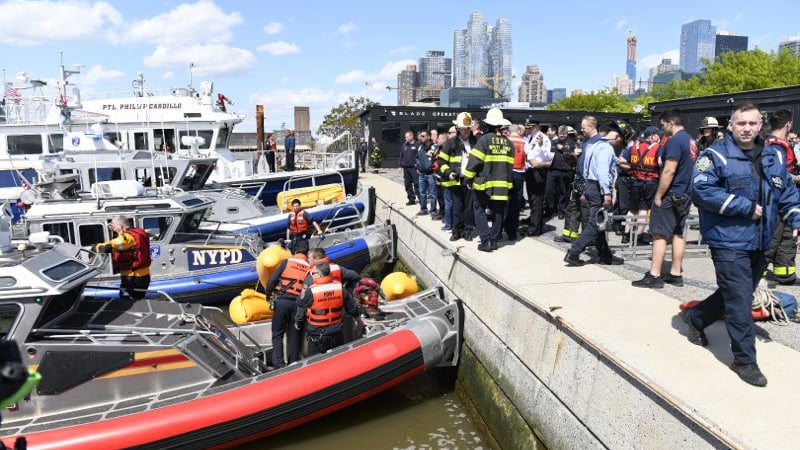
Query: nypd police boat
point(158, 374)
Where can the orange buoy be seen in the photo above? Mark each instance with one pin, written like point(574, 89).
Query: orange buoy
point(398, 285)
point(268, 260)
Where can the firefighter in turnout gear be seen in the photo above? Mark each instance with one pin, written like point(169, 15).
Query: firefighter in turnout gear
point(489, 175)
point(452, 160)
point(285, 286)
point(322, 308)
point(783, 247)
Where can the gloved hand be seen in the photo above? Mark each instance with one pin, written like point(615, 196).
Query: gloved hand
point(322, 236)
point(102, 248)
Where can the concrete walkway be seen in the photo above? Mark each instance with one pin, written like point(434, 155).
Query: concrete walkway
point(640, 331)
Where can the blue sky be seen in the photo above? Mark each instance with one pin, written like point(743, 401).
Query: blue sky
point(317, 54)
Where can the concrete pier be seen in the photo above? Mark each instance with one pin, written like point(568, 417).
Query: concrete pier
point(578, 358)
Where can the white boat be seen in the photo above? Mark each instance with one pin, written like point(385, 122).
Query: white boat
point(182, 123)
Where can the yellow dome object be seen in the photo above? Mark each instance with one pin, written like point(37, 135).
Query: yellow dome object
point(268, 261)
point(398, 285)
point(249, 306)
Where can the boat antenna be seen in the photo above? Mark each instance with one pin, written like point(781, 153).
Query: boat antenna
point(62, 87)
point(191, 66)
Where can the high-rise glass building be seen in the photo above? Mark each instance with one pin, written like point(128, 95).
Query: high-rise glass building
point(791, 43)
point(728, 41)
point(698, 40)
point(482, 55)
point(435, 74)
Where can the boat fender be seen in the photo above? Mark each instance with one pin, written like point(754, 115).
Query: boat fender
point(249, 306)
point(399, 285)
point(268, 260)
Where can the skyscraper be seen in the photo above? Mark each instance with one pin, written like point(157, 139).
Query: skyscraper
point(791, 43)
point(482, 55)
point(666, 67)
point(728, 41)
point(698, 40)
point(630, 67)
point(531, 88)
point(435, 74)
point(407, 82)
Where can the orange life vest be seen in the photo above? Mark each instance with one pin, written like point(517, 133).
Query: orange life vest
point(293, 275)
point(327, 307)
point(336, 270)
point(137, 256)
point(298, 223)
point(787, 147)
point(519, 152)
point(644, 161)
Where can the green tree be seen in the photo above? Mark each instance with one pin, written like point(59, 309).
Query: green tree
point(607, 100)
point(736, 72)
point(344, 117)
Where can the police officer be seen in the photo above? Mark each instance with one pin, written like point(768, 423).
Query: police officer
point(740, 189)
point(322, 307)
point(488, 174)
point(600, 162)
point(285, 285)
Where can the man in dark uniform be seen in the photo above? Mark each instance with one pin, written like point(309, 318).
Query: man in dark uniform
point(322, 307)
point(560, 175)
point(408, 166)
point(285, 285)
point(740, 189)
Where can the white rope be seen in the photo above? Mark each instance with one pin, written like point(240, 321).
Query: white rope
point(764, 300)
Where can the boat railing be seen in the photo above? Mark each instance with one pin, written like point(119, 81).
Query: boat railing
point(325, 160)
point(345, 216)
point(287, 185)
point(26, 111)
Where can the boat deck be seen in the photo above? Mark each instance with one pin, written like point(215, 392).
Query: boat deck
point(636, 330)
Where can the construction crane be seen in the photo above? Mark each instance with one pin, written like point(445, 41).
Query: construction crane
point(493, 83)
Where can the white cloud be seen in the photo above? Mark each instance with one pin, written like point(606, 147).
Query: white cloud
point(390, 70)
point(273, 28)
point(168, 75)
point(278, 48)
point(346, 28)
point(98, 75)
point(620, 23)
point(644, 65)
point(187, 24)
point(209, 60)
point(351, 77)
point(29, 23)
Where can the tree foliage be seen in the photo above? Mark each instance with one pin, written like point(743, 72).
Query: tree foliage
point(344, 117)
point(736, 72)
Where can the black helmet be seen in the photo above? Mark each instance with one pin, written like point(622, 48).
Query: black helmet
point(624, 128)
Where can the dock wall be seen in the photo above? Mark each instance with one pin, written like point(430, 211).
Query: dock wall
point(535, 379)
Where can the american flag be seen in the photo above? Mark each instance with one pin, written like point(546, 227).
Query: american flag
point(11, 93)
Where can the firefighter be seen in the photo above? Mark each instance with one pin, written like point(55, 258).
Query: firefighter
point(451, 161)
point(130, 254)
point(783, 247)
point(322, 309)
point(285, 286)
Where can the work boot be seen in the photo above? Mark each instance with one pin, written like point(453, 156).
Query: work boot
point(750, 374)
point(626, 238)
point(573, 260)
point(611, 260)
point(411, 203)
point(455, 236)
point(695, 335)
point(649, 281)
point(675, 280)
point(493, 244)
point(485, 246)
point(563, 238)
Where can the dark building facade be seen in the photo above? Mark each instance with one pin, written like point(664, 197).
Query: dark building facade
point(729, 43)
point(389, 123)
